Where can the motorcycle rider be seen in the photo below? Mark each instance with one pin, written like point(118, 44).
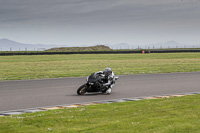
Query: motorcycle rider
point(108, 78)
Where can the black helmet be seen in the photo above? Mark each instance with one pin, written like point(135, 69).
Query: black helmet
point(107, 71)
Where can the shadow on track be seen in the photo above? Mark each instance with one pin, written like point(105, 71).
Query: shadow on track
point(89, 94)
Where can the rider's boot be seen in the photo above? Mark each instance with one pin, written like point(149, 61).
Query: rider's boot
point(109, 90)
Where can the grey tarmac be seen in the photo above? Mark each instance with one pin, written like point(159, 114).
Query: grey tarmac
point(23, 94)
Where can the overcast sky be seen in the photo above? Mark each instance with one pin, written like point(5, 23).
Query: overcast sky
point(88, 22)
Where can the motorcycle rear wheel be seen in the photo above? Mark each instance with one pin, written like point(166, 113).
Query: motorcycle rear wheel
point(81, 90)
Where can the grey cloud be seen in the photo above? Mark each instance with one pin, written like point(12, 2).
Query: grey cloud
point(100, 16)
point(92, 10)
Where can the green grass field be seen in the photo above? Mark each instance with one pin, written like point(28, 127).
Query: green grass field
point(57, 66)
point(171, 115)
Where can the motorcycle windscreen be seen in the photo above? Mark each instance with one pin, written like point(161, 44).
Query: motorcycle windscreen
point(93, 77)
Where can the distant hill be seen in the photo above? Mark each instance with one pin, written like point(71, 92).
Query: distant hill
point(121, 46)
point(161, 45)
point(170, 44)
point(9, 45)
point(75, 49)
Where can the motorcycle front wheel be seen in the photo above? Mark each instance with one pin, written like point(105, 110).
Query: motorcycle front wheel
point(82, 90)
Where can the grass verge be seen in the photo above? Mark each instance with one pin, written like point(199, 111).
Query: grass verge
point(170, 115)
point(57, 66)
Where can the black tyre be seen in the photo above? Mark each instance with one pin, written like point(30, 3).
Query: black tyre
point(82, 90)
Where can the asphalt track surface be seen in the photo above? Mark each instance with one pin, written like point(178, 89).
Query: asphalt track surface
point(23, 94)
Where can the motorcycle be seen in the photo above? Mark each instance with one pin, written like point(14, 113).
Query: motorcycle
point(94, 83)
